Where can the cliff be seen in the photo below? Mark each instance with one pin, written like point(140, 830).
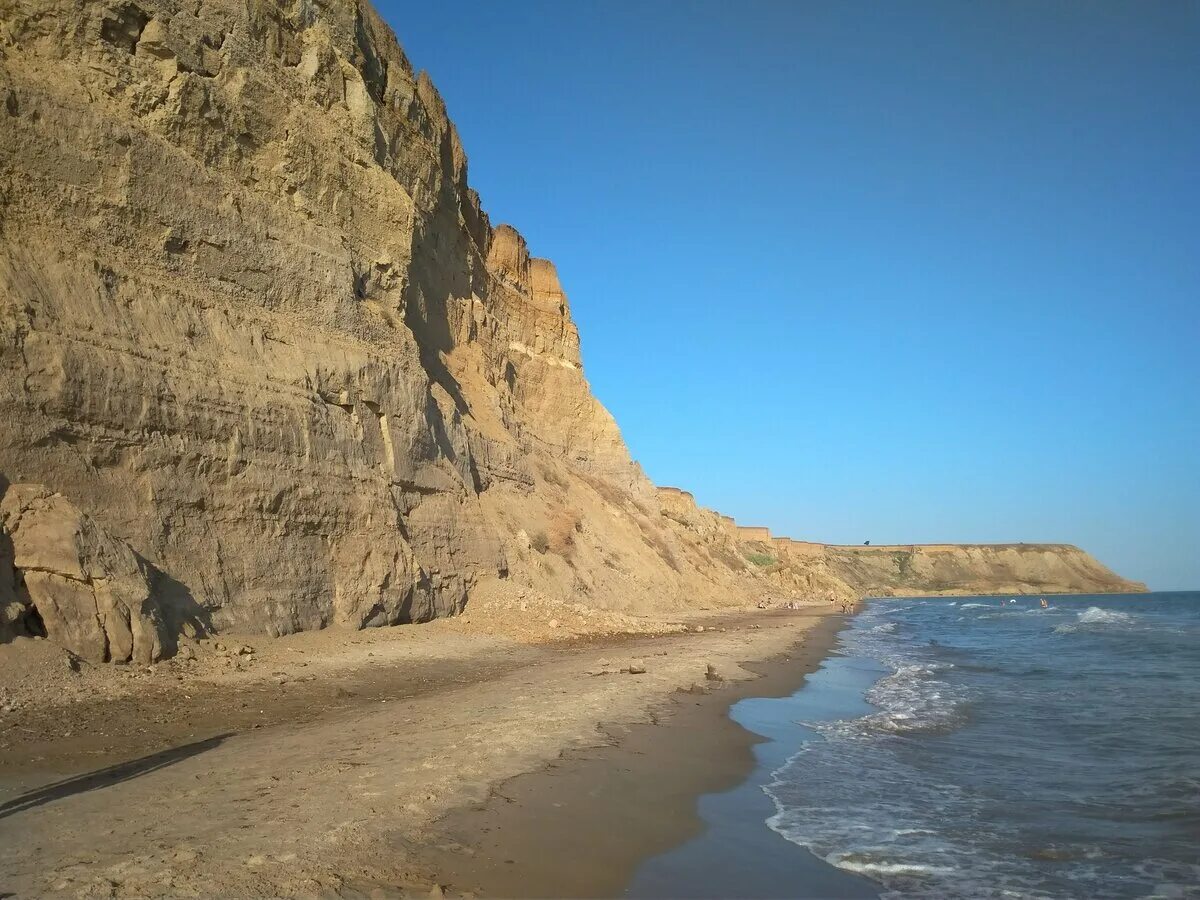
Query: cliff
point(257, 330)
point(912, 570)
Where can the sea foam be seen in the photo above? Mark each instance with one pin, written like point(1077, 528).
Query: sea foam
point(1094, 615)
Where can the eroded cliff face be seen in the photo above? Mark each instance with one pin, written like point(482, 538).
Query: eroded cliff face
point(255, 323)
point(253, 319)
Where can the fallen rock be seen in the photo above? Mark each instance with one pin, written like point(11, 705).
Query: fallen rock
point(83, 588)
point(710, 673)
point(637, 667)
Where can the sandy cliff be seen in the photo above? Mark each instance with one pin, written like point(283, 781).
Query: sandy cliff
point(257, 331)
point(912, 570)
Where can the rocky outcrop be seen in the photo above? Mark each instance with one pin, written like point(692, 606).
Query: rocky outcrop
point(64, 577)
point(254, 319)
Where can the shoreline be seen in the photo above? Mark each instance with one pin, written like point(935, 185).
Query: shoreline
point(322, 763)
point(622, 803)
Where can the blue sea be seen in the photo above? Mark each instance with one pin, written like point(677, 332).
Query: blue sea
point(974, 747)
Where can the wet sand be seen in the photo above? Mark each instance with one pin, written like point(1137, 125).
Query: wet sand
point(581, 826)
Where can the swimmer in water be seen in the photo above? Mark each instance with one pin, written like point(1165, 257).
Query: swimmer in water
point(1045, 605)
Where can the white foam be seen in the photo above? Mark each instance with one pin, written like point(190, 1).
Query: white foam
point(885, 868)
point(1094, 615)
point(910, 700)
point(974, 606)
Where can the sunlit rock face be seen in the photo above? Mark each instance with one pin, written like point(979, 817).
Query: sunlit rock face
point(254, 320)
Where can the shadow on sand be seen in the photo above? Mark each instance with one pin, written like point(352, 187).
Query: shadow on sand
point(79, 784)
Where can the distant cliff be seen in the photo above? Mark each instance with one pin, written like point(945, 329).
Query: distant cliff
point(913, 570)
point(264, 357)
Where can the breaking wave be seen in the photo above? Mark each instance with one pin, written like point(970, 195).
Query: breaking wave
point(1094, 615)
point(971, 775)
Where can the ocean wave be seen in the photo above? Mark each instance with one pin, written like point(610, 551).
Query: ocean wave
point(1094, 615)
point(911, 700)
point(874, 795)
point(881, 867)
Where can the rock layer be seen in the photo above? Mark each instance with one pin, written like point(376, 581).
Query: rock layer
point(254, 320)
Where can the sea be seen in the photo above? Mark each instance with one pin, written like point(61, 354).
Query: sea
point(970, 747)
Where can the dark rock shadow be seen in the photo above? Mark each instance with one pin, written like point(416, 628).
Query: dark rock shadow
point(9, 583)
point(179, 607)
point(79, 784)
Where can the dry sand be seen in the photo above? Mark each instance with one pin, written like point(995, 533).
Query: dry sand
point(379, 762)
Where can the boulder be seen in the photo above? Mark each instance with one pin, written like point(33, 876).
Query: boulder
point(63, 575)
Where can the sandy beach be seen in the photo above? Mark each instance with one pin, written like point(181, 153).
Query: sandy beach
point(385, 762)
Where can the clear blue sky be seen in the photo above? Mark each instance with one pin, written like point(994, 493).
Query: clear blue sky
point(893, 272)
